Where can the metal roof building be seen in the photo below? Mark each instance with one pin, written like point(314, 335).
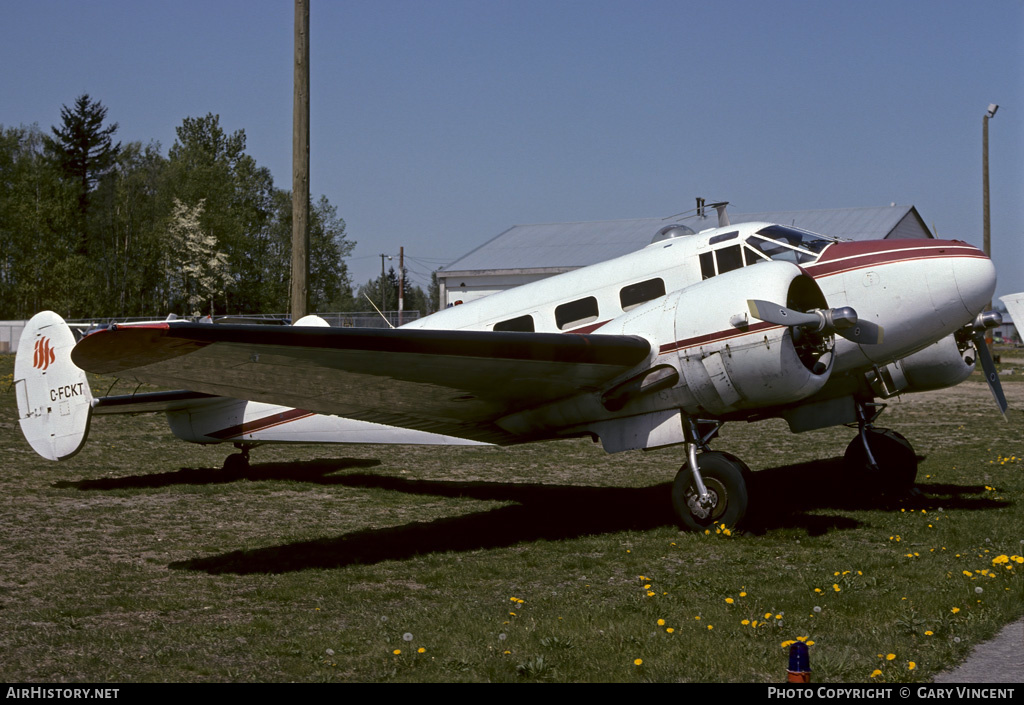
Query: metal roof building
point(526, 253)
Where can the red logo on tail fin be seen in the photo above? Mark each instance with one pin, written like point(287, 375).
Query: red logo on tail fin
point(43, 356)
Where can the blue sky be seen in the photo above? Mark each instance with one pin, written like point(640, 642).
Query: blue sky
point(438, 124)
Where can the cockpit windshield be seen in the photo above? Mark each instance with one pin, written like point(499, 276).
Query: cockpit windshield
point(778, 242)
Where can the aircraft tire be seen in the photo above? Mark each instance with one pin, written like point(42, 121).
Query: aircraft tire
point(727, 478)
point(896, 459)
point(236, 464)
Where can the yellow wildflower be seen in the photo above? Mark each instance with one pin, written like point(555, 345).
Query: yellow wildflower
point(890, 657)
point(638, 662)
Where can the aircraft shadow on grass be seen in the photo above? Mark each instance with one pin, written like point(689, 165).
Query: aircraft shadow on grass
point(315, 471)
point(787, 497)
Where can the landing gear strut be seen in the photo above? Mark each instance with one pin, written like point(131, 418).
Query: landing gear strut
point(712, 487)
point(881, 456)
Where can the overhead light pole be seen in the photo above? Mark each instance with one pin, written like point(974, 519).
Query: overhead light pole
point(990, 113)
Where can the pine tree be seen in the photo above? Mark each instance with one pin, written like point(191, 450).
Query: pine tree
point(82, 147)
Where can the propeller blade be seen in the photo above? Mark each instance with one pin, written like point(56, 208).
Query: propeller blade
point(842, 320)
point(989, 367)
point(780, 315)
point(864, 333)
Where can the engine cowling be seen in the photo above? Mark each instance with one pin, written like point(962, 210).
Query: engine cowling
point(940, 365)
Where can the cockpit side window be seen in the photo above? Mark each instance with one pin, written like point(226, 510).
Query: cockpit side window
point(729, 258)
point(789, 244)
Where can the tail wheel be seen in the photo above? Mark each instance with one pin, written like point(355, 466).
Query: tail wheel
point(726, 478)
point(895, 457)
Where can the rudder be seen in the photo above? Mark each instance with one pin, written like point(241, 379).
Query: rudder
point(54, 399)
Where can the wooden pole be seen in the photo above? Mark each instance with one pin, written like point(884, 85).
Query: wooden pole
point(300, 165)
point(401, 283)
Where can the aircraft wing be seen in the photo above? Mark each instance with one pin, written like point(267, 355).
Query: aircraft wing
point(457, 383)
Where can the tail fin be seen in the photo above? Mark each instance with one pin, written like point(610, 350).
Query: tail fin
point(54, 399)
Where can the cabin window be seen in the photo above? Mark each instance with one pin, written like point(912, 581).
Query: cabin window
point(522, 324)
point(635, 294)
point(576, 313)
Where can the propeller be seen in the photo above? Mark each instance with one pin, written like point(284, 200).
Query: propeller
point(842, 320)
point(988, 319)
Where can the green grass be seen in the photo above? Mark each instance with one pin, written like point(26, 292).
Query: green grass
point(138, 561)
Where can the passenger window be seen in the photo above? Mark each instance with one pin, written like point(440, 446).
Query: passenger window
point(576, 313)
point(522, 324)
point(729, 258)
point(635, 294)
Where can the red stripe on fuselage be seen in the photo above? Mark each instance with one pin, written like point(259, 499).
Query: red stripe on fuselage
point(714, 337)
point(849, 256)
point(261, 424)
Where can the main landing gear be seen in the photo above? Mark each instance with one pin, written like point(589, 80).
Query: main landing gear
point(712, 487)
point(880, 455)
point(238, 463)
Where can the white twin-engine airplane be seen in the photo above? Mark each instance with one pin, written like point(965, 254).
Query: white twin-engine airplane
point(655, 348)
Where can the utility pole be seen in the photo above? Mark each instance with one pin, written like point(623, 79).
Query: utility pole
point(383, 284)
point(401, 283)
point(300, 165)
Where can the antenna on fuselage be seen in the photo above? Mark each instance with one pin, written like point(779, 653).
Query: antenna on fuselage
point(723, 217)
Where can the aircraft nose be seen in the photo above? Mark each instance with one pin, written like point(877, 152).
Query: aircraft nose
point(975, 281)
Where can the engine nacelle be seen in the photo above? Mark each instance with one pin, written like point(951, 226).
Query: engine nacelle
point(940, 365)
point(723, 359)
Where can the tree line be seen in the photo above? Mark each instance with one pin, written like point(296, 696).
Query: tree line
point(90, 227)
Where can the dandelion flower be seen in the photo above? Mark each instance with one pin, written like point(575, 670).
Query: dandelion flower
point(407, 636)
point(890, 657)
point(638, 662)
point(661, 622)
point(979, 589)
point(876, 672)
point(396, 652)
point(421, 650)
point(710, 627)
point(728, 600)
point(911, 666)
point(743, 594)
point(929, 633)
point(955, 610)
point(817, 608)
point(669, 630)
point(745, 622)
